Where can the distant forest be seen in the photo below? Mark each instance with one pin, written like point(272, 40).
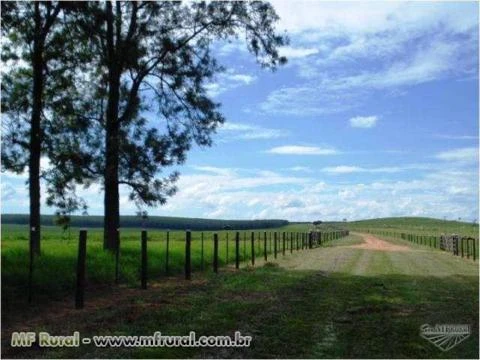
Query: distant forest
point(156, 222)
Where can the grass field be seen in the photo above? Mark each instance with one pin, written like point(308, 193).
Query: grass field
point(54, 270)
point(417, 225)
point(339, 301)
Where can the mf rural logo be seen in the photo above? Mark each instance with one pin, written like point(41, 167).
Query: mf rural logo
point(445, 336)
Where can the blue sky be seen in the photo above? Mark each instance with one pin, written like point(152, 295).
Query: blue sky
point(375, 115)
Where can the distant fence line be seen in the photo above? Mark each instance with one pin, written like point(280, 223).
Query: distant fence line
point(260, 244)
point(458, 245)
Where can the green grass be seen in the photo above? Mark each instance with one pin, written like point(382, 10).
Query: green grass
point(54, 270)
point(331, 302)
point(417, 225)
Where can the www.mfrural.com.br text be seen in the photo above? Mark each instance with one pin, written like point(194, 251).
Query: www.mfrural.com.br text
point(44, 339)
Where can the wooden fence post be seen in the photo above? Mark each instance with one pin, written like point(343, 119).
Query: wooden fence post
point(226, 261)
point(215, 253)
point(188, 257)
point(144, 259)
point(275, 244)
point(237, 250)
point(82, 252)
point(117, 258)
point(461, 245)
point(244, 246)
point(269, 242)
point(310, 240)
point(265, 257)
point(291, 243)
point(283, 243)
point(167, 253)
point(253, 248)
point(474, 251)
point(201, 251)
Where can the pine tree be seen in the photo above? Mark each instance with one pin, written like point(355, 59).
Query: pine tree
point(29, 30)
point(151, 57)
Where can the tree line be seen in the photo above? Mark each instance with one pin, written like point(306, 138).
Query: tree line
point(155, 222)
point(115, 92)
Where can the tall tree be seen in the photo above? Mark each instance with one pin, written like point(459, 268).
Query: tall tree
point(29, 30)
point(155, 57)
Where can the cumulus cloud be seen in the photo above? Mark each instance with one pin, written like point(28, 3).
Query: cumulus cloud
point(229, 80)
point(364, 50)
point(363, 121)
point(297, 52)
point(468, 154)
point(302, 150)
point(243, 131)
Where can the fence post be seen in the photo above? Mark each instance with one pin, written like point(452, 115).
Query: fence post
point(82, 252)
point(117, 258)
point(237, 250)
point(474, 252)
point(275, 244)
point(283, 243)
point(226, 261)
point(201, 252)
point(291, 243)
point(144, 259)
point(188, 258)
point(461, 245)
point(167, 255)
point(253, 248)
point(269, 242)
point(265, 246)
point(310, 240)
point(215, 253)
point(244, 246)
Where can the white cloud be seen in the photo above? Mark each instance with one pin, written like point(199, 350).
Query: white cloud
point(304, 100)
point(243, 131)
point(302, 150)
point(300, 169)
point(455, 137)
point(345, 169)
point(401, 44)
point(251, 194)
point(298, 52)
point(363, 121)
point(469, 154)
point(229, 80)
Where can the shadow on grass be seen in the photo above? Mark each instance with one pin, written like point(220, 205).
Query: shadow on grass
point(288, 313)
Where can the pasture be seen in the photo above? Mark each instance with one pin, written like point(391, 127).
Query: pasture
point(347, 299)
point(55, 270)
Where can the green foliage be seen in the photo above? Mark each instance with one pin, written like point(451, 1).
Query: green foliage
point(153, 57)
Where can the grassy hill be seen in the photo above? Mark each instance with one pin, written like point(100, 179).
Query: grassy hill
point(417, 225)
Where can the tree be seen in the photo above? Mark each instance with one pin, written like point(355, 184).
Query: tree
point(31, 31)
point(156, 57)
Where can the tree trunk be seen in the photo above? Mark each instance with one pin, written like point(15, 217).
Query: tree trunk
point(111, 203)
point(35, 135)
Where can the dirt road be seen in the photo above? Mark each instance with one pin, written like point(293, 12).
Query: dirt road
point(374, 243)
